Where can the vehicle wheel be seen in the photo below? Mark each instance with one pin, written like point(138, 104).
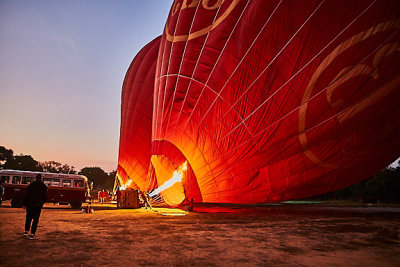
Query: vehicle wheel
point(76, 204)
point(16, 202)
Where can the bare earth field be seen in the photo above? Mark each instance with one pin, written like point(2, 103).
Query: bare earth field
point(282, 235)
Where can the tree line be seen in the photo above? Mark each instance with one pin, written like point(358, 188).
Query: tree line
point(100, 178)
point(383, 187)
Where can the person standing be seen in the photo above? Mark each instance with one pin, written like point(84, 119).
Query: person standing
point(35, 197)
point(119, 198)
point(102, 195)
point(1, 194)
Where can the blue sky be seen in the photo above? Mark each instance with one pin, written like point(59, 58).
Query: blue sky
point(62, 64)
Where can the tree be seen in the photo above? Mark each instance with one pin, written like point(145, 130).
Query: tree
point(67, 169)
point(50, 166)
point(22, 162)
point(99, 177)
point(382, 187)
point(57, 167)
point(5, 155)
point(111, 178)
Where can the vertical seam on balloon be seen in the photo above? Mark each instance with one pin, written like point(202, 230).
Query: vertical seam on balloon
point(169, 60)
point(155, 111)
point(159, 90)
point(215, 64)
point(237, 66)
point(155, 105)
point(180, 65)
point(194, 71)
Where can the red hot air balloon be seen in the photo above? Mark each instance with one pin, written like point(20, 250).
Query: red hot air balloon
point(263, 101)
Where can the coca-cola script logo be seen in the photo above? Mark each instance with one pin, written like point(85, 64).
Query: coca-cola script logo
point(213, 6)
point(369, 71)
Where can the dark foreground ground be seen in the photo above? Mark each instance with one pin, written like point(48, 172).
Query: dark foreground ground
point(283, 235)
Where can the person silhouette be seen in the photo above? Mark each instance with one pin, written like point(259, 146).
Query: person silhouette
point(35, 197)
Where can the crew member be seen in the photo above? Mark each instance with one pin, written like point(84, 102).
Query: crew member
point(35, 197)
point(119, 198)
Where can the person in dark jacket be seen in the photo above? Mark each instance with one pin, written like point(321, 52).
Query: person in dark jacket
point(1, 194)
point(35, 197)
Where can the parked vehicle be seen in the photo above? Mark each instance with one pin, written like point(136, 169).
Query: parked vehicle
point(61, 188)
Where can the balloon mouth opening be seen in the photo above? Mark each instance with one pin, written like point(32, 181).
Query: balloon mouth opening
point(176, 180)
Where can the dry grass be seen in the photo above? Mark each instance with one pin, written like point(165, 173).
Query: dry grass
point(257, 236)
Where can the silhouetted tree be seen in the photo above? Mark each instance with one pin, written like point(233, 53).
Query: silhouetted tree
point(57, 167)
point(50, 166)
point(67, 169)
point(111, 179)
point(5, 155)
point(22, 162)
point(99, 177)
point(382, 187)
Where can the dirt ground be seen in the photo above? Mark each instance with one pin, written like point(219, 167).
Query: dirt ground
point(281, 235)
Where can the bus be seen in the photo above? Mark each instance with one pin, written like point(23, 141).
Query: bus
point(64, 189)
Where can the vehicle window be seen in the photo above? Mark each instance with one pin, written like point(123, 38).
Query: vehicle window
point(27, 180)
point(47, 181)
point(55, 182)
point(16, 180)
point(5, 179)
point(78, 183)
point(66, 183)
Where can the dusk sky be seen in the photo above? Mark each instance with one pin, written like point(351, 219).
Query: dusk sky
point(62, 64)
